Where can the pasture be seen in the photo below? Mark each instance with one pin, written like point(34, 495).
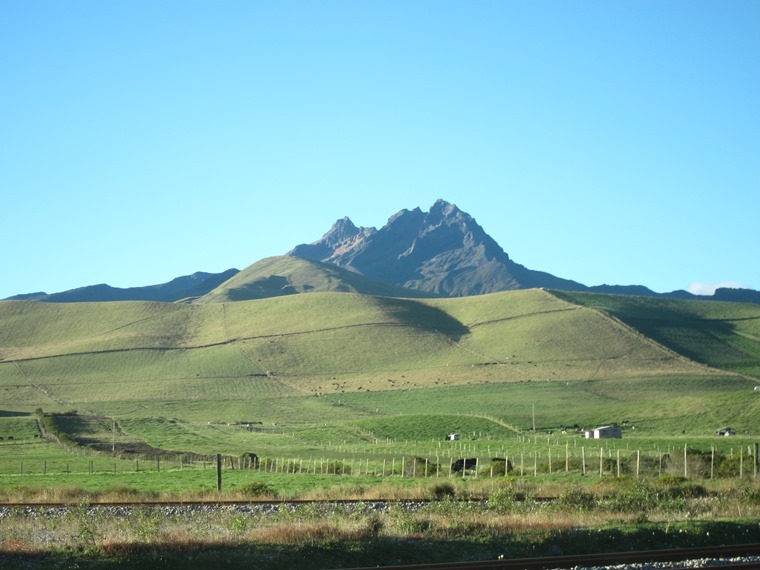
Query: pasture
point(367, 384)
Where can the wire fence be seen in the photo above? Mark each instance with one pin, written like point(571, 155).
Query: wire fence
point(586, 460)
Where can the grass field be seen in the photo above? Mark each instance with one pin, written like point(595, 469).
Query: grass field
point(355, 378)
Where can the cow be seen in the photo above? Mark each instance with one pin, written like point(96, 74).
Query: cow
point(460, 464)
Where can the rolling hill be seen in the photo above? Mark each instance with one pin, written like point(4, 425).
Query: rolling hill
point(285, 275)
point(268, 358)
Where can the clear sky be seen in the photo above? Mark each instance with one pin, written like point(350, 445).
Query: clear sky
point(605, 141)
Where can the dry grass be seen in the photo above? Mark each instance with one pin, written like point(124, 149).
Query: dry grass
point(101, 532)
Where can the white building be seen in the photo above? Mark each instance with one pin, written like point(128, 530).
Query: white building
point(605, 432)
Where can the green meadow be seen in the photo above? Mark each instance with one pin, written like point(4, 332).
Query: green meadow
point(140, 391)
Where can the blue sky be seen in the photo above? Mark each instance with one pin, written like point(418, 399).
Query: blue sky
point(601, 141)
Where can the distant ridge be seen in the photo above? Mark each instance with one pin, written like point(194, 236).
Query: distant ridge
point(188, 286)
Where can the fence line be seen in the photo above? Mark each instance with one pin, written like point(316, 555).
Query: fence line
point(739, 463)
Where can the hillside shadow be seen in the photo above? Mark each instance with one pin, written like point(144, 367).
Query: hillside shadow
point(12, 414)
point(423, 316)
point(707, 341)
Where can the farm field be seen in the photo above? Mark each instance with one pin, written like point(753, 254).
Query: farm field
point(365, 384)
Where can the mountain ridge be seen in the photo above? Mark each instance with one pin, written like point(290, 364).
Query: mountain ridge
point(443, 252)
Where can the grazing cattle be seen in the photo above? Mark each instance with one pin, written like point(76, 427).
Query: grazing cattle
point(10, 437)
point(460, 464)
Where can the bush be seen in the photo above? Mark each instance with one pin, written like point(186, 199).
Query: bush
point(637, 498)
point(441, 491)
point(577, 500)
point(508, 499)
point(420, 467)
point(258, 489)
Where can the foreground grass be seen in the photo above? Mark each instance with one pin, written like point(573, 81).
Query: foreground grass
point(617, 516)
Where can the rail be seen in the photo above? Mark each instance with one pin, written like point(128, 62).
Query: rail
point(605, 559)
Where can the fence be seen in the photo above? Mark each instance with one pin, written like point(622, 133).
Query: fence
point(741, 462)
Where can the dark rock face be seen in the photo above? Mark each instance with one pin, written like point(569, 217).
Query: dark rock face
point(443, 251)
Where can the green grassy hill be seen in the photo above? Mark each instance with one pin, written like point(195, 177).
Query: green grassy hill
point(343, 357)
point(720, 334)
point(286, 275)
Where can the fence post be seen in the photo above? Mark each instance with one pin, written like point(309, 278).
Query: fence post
point(601, 461)
point(685, 464)
point(583, 458)
point(219, 472)
point(712, 461)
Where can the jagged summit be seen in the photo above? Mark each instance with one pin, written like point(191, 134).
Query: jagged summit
point(344, 235)
point(443, 251)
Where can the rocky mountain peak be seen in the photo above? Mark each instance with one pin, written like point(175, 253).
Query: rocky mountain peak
point(443, 251)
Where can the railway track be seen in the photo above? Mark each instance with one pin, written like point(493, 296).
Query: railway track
point(697, 556)
point(210, 503)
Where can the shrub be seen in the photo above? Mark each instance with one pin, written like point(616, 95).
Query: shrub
point(420, 467)
point(639, 497)
point(258, 489)
point(508, 499)
point(441, 491)
point(576, 499)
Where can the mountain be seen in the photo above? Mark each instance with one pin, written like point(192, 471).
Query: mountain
point(188, 286)
point(440, 253)
point(443, 252)
point(285, 275)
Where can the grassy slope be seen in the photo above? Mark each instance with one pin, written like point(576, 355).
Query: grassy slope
point(369, 357)
point(719, 334)
point(285, 275)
